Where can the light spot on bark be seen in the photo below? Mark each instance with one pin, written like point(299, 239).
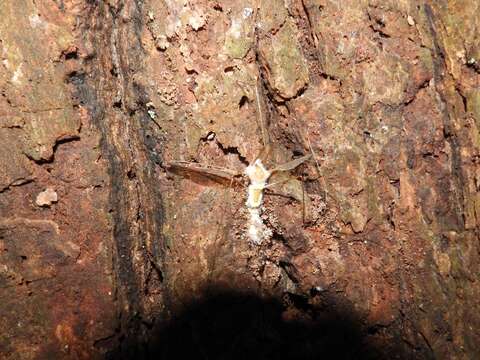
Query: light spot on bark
point(46, 197)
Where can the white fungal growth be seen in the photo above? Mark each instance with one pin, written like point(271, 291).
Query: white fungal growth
point(257, 231)
point(258, 175)
point(36, 21)
point(17, 75)
point(235, 30)
point(247, 12)
point(196, 20)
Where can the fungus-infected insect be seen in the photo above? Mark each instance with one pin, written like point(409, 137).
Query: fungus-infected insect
point(256, 173)
point(258, 176)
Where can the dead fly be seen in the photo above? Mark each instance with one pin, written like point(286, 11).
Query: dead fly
point(255, 176)
point(258, 180)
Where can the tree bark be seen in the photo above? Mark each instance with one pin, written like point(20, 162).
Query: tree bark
point(112, 246)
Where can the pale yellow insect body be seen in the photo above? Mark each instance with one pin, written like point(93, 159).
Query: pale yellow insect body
point(258, 175)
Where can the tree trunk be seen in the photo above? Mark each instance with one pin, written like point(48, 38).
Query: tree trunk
point(124, 234)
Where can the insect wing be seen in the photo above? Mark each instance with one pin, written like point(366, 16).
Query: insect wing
point(291, 164)
point(216, 174)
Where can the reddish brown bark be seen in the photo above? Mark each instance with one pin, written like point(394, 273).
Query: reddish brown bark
point(375, 236)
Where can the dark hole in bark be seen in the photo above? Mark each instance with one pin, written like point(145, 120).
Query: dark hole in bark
point(229, 69)
point(76, 78)
point(71, 55)
point(191, 71)
point(242, 102)
point(131, 174)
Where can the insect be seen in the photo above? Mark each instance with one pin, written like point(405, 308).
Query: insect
point(256, 175)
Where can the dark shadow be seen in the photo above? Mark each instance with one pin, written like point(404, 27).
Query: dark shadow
point(232, 325)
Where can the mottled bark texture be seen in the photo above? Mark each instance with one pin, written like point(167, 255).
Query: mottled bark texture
point(101, 245)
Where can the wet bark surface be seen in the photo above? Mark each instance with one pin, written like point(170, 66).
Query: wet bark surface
point(108, 248)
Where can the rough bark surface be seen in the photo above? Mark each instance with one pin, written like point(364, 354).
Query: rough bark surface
point(103, 248)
